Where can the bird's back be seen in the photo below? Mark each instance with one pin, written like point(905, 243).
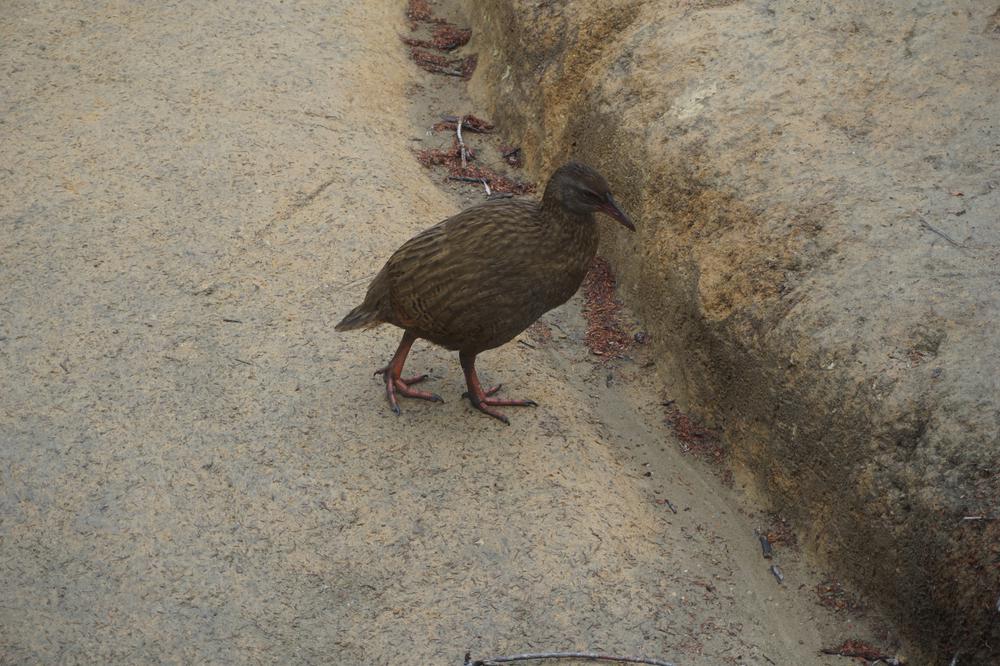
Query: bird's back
point(479, 278)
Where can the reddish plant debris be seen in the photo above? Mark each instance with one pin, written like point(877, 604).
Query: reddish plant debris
point(780, 532)
point(861, 651)
point(438, 64)
point(413, 41)
point(469, 66)
point(540, 333)
point(445, 37)
point(418, 10)
point(605, 336)
point(469, 123)
point(497, 182)
point(833, 595)
point(728, 479)
point(512, 156)
point(695, 438)
point(452, 160)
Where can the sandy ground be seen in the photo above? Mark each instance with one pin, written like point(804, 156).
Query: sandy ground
point(195, 468)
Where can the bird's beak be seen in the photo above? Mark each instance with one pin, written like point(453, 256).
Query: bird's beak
point(612, 209)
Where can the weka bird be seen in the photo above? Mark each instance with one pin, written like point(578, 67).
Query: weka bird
point(476, 280)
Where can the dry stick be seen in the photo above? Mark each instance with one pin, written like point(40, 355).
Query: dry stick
point(924, 223)
point(486, 184)
point(461, 144)
point(591, 656)
point(352, 283)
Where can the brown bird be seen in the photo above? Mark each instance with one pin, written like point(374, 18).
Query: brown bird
point(479, 278)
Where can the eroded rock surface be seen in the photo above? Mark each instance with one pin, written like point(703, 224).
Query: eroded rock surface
point(817, 186)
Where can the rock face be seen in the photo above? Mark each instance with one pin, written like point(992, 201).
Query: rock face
point(817, 188)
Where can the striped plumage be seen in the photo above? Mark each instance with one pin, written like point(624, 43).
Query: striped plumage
point(479, 278)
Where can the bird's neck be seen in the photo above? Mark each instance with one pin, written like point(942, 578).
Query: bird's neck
point(572, 227)
point(572, 237)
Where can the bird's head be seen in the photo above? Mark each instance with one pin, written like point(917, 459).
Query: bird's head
point(580, 190)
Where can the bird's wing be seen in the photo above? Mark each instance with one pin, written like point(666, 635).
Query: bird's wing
point(459, 272)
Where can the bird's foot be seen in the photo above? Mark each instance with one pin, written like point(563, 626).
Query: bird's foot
point(401, 386)
point(416, 379)
point(485, 403)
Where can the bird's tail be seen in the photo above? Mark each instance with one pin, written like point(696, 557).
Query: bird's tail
point(360, 317)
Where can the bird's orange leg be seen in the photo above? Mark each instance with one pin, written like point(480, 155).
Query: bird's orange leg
point(395, 384)
point(481, 399)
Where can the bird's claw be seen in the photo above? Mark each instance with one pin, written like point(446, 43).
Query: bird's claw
point(401, 386)
point(485, 403)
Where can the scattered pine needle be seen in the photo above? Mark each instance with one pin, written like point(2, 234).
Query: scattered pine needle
point(695, 438)
point(439, 64)
point(452, 160)
point(833, 595)
point(498, 182)
point(862, 651)
point(418, 10)
point(780, 532)
point(445, 37)
point(470, 123)
point(605, 336)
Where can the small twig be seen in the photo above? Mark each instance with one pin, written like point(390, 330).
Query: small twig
point(242, 361)
point(351, 283)
point(859, 650)
point(670, 505)
point(232, 321)
point(925, 224)
point(461, 144)
point(591, 656)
